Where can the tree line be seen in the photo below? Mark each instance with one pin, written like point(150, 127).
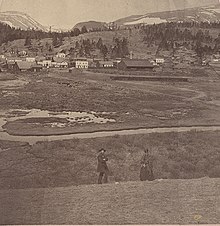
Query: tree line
point(8, 34)
point(168, 36)
point(86, 48)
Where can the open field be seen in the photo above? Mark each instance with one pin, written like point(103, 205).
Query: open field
point(7, 77)
point(126, 104)
point(157, 202)
point(123, 105)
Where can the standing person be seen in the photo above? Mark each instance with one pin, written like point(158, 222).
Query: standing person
point(102, 168)
point(146, 172)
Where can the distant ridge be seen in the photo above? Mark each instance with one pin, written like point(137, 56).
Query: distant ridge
point(90, 25)
point(210, 13)
point(198, 14)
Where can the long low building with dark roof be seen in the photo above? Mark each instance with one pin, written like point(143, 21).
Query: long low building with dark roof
point(135, 64)
point(26, 66)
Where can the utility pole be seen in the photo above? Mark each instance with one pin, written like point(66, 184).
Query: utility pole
point(51, 28)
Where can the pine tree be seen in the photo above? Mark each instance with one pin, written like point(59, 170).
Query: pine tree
point(84, 30)
point(99, 43)
point(77, 45)
point(27, 41)
point(104, 51)
point(55, 41)
point(75, 32)
point(125, 47)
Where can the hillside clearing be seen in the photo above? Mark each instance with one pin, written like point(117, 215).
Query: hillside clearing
point(157, 202)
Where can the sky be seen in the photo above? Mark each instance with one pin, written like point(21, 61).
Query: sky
point(66, 13)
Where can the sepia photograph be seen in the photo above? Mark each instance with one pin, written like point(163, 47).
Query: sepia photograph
point(109, 112)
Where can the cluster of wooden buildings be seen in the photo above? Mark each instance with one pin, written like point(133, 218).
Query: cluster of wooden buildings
point(60, 60)
point(35, 64)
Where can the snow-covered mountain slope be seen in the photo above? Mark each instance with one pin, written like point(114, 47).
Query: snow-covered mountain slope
point(200, 14)
point(20, 20)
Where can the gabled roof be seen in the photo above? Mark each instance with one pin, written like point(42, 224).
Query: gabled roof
point(36, 66)
point(81, 59)
point(24, 65)
point(14, 59)
point(60, 53)
point(137, 63)
point(59, 60)
point(159, 56)
point(40, 58)
point(29, 57)
point(106, 62)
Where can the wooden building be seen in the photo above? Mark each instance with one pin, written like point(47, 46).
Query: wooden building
point(135, 65)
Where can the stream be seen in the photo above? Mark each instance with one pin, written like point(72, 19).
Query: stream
point(81, 118)
point(33, 139)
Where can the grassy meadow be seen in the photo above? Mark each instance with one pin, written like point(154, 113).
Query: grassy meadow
point(73, 162)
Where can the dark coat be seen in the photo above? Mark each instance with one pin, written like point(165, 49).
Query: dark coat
point(146, 172)
point(102, 165)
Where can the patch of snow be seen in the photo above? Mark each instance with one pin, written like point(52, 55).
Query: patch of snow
point(72, 117)
point(159, 180)
point(208, 13)
point(8, 23)
point(57, 124)
point(147, 20)
point(215, 10)
point(34, 22)
point(20, 20)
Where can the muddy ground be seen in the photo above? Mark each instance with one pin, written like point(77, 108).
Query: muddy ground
point(137, 104)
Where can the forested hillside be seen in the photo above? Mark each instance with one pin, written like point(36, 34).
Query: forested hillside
point(202, 38)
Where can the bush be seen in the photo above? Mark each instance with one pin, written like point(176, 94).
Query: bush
point(74, 162)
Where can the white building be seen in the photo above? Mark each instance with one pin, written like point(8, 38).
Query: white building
point(22, 53)
point(106, 64)
point(13, 59)
point(31, 59)
point(45, 63)
point(159, 60)
point(153, 62)
point(82, 63)
point(61, 55)
point(59, 62)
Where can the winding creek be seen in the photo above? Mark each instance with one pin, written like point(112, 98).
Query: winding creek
point(87, 117)
point(81, 117)
point(34, 139)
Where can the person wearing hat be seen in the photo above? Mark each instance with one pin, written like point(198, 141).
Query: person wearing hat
point(146, 172)
point(102, 168)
